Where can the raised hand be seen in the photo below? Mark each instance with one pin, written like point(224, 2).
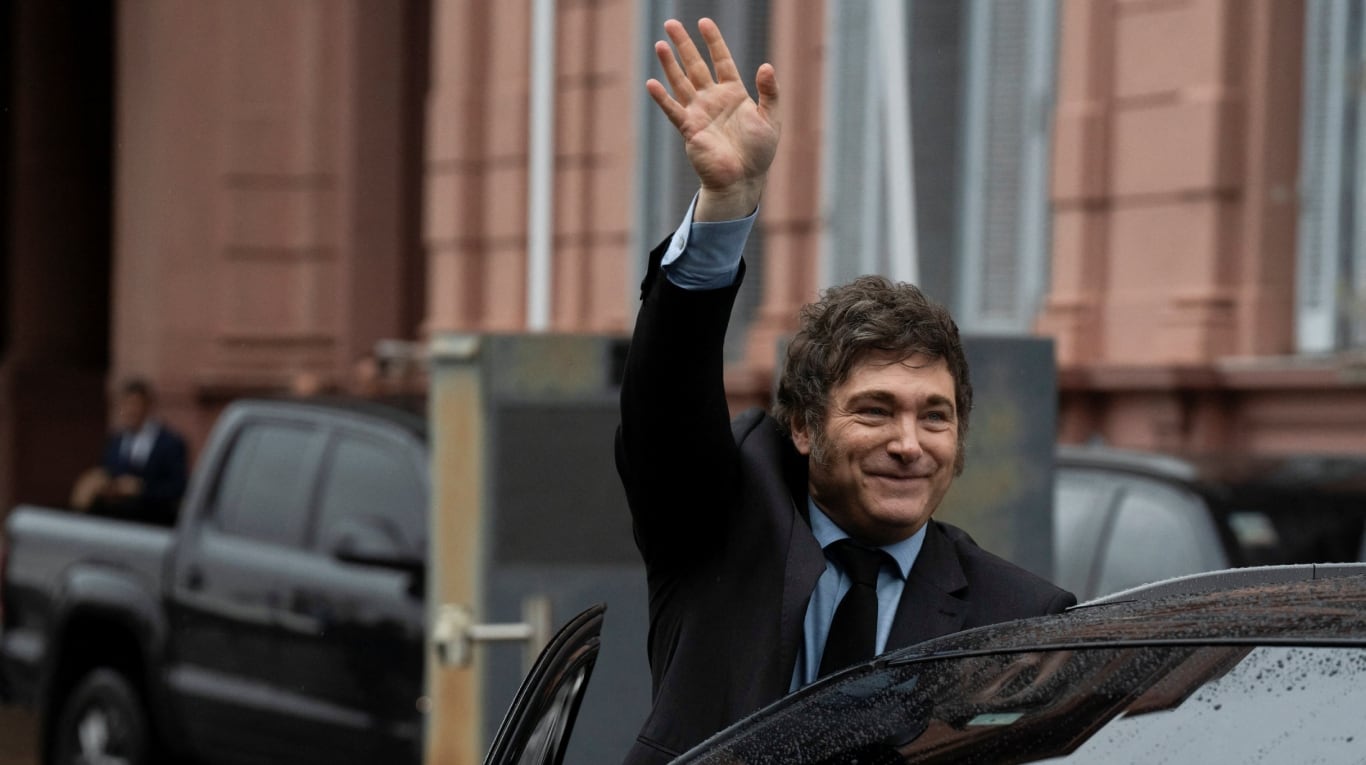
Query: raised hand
point(730, 140)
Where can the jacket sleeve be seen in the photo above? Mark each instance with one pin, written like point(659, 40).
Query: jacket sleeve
point(674, 449)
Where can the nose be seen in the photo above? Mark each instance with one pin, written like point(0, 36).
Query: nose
point(905, 441)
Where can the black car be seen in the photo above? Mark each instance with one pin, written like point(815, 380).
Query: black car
point(1257, 665)
point(1124, 518)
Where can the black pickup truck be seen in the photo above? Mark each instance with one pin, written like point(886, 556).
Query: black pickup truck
point(280, 621)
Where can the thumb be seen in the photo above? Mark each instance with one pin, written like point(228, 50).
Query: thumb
point(766, 81)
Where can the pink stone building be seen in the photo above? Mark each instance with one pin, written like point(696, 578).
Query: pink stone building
point(230, 197)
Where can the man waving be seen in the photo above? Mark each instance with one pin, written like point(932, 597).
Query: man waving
point(783, 548)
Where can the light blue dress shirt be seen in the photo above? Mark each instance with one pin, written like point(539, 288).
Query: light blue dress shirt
point(704, 256)
point(713, 251)
point(833, 584)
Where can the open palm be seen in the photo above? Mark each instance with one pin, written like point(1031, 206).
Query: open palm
point(729, 138)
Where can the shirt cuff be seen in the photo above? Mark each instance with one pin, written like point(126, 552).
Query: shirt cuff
point(706, 255)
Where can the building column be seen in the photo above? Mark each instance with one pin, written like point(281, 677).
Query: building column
point(791, 207)
point(1081, 170)
point(476, 200)
point(54, 261)
point(600, 93)
point(477, 164)
point(1174, 177)
point(261, 227)
point(1175, 169)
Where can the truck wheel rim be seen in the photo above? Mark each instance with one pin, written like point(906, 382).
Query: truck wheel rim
point(100, 737)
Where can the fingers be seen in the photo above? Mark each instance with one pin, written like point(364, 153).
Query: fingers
point(678, 82)
point(720, 54)
point(693, 64)
point(687, 72)
point(671, 108)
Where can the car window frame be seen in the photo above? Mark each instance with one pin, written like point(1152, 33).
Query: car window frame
point(1109, 497)
point(386, 441)
point(1125, 484)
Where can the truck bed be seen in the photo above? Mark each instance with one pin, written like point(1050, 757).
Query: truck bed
point(43, 543)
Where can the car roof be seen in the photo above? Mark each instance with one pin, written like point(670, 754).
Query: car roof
point(406, 413)
point(1337, 473)
point(1308, 609)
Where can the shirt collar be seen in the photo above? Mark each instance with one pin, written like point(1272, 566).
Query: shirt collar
point(903, 552)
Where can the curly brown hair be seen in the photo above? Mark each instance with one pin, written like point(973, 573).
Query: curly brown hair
point(871, 314)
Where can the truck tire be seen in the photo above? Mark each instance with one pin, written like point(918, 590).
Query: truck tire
point(103, 720)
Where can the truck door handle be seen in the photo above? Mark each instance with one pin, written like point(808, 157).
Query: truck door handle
point(194, 578)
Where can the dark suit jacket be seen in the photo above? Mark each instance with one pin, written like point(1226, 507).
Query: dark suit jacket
point(720, 517)
point(163, 473)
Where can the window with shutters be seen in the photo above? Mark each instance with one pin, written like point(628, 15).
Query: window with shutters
point(1331, 266)
point(942, 109)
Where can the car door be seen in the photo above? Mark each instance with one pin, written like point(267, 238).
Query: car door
point(351, 627)
point(227, 584)
point(537, 727)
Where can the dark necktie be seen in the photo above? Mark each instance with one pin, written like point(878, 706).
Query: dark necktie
point(853, 631)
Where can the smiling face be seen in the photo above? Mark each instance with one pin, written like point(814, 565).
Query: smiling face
point(886, 455)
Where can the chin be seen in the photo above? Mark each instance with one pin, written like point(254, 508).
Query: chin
point(906, 516)
point(889, 530)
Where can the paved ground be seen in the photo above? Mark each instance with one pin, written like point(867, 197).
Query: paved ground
point(16, 737)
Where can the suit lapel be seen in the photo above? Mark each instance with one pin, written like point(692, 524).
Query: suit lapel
point(931, 605)
point(805, 564)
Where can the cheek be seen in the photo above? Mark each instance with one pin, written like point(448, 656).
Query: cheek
point(944, 442)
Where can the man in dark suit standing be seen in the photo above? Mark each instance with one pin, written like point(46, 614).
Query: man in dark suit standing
point(783, 548)
point(144, 461)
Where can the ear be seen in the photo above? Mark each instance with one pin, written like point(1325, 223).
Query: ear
point(801, 436)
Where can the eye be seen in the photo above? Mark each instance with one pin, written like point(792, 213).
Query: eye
point(875, 411)
point(937, 416)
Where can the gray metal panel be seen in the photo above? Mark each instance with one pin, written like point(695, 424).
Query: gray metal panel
point(558, 495)
point(618, 696)
point(1005, 496)
point(558, 526)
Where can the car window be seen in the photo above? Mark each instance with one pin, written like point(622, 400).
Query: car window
point(1149, 704)
point(263, 491)
point(1082, 500)
point(371, 496)
point(1274, 704)
point(1158, 532)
